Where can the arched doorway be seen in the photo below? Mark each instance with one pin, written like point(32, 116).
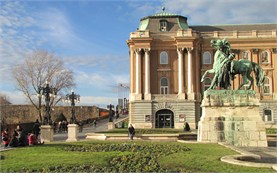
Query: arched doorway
point(164, 119)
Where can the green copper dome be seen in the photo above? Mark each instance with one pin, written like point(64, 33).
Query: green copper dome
point(180, 20)
point(163, 14)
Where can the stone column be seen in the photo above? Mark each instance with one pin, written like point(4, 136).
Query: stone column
point(181, 94)
point(147, 94)
point(191, 95)
point(132, 78)
point(72, 133)
point(47, 133)
point(138, 74)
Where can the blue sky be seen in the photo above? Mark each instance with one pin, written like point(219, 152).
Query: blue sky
point(90, 36)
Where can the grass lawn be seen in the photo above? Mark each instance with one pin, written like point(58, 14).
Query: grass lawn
point(125, 156)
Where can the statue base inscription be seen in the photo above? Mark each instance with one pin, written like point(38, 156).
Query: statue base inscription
point(232, 117)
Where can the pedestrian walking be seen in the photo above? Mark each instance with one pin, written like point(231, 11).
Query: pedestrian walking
point(131, 131)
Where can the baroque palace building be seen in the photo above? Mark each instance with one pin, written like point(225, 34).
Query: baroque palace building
point(168, 58)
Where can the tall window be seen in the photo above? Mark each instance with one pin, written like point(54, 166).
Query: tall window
point(164, 86)
point(163, 58)
point(268, 115)
point(207, 58)
point(163, 25)
point(207, 83)
point(267, 86)
point(264, 57)
point(245, 55)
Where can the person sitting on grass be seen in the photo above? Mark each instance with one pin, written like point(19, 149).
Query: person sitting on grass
point(33, 139)
point(14, 142)
point(6, 137)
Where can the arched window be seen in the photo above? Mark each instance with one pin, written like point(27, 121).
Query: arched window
point(245, 55)
point(207, 83)
point(163, 25)
point(267, 115)
point(164, 86)
point(267, 89)
point(163, 57)
point(207, 58)
point(265, 57)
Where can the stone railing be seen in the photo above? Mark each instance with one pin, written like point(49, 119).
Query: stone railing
point(240, 34)
point(166, 97)
point(186, 33)
point(139, 34)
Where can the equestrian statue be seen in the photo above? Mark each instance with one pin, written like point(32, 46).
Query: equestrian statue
point(225, 68)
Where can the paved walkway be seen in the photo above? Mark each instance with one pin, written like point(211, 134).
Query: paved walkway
point(102, 125)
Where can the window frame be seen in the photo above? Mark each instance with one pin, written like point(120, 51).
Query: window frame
point(164, 89)
point(265, 116)
point(164, 61)
point(163, 25)
point(205, 57)
point(248, 55)
point(268, 57)
point(269, 85)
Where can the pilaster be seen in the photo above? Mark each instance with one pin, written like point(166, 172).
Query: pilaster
point(147, 94)
point(138, 74)
point(191, 94)
point(181, 94)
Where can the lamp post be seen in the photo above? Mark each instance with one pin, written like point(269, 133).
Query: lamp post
point(72, 98)
point(110, 106)
point(48, 92)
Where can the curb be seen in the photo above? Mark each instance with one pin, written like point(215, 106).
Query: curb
point(244, 157)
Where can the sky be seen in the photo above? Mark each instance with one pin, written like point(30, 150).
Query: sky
point(90, 36)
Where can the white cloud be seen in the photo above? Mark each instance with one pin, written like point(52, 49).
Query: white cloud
point(225, 12)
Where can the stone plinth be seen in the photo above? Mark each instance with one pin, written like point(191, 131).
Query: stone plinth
point(111, 125)
point(47, 133)
point(232, 117)
point(72, 132)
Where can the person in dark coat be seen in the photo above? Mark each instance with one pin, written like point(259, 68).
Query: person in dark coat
point(186, 127)
point(14, 142)
point(36, 128)
point(131, 131)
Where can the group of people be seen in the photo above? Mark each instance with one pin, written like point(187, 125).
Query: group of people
point(20, 137)
point(61, 126)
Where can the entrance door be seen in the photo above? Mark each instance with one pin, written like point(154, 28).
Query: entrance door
point(164, 119)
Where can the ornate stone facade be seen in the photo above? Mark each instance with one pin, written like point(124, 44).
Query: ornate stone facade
point(168, 58)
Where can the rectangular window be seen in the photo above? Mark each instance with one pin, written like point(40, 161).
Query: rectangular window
point(267, 115)
point(164, 89)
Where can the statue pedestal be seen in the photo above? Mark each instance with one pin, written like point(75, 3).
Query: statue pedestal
point(232, 117)
point(72, 132)
point(111, 125)
point(47, 133)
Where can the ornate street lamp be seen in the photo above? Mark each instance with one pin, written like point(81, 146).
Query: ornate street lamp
point(72, 98)
point(48, 92)
point(110, 106)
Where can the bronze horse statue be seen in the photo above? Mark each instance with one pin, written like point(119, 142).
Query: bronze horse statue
point(225, 68)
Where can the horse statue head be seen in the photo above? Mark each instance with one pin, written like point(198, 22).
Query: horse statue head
point(222, 45)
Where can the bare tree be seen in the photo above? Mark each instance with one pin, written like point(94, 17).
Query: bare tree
point(37, 69)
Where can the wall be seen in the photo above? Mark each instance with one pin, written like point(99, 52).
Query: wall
point(14, 114)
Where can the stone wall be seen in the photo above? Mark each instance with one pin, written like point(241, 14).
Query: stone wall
point(14, 114)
